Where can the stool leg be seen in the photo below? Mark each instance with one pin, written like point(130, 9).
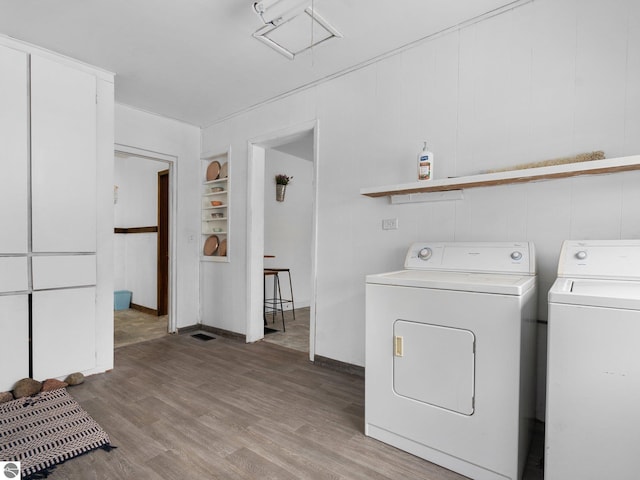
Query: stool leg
point(281, 307)
point(275, 309)
point(264, 298)
point(293, 305)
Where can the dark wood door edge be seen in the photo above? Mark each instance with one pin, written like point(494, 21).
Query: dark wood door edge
point(162, 278)
point(135, 230)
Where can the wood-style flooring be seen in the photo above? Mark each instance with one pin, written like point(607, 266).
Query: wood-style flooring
point(182, 408)
point(133, 326)
point(296, 335)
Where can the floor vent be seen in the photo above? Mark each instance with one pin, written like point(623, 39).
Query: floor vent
point(203, 336)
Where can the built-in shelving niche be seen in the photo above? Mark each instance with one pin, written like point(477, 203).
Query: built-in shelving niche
point(215, 198)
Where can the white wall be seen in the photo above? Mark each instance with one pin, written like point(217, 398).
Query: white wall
point(135, 257)
point(548, 79)
point(287, 225)
point(154, 133)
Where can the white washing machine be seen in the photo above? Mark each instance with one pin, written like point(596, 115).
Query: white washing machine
point(450, 356)
point(592, 428)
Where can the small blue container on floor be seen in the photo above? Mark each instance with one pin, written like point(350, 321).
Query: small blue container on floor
point(121, 299)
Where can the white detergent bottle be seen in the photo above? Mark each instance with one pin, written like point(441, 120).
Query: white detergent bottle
point(425, 164)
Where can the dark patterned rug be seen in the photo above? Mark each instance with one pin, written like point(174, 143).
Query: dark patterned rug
point(45, 430)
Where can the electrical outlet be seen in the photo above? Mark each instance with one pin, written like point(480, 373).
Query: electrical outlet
point(390, 224)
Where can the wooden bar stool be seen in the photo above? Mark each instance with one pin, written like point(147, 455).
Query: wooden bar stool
point(273, 305)
point(287, 300)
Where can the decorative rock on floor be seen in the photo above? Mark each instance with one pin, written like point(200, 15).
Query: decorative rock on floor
point(53, 384)
point(75, 378)
point(6, 397)
point(28, 386)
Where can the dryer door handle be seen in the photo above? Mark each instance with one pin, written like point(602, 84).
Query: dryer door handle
point(397, 346)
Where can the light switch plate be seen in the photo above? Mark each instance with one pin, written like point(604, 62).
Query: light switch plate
point(390, 224)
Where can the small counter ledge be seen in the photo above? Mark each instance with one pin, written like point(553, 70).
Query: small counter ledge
point(593, 167)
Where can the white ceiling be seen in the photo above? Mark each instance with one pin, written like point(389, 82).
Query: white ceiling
point(196, 60)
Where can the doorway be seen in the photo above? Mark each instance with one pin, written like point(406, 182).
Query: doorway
point(257, 172)
point(287, 241)
point(144, 217)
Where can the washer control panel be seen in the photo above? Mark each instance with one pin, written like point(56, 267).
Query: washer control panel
point(497, 257)
point(610, 259)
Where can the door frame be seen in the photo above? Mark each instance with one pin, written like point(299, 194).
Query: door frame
point(170, 160)
point(256, 149)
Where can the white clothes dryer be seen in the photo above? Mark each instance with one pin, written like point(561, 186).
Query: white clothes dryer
point(593, 363)
point(450, 356)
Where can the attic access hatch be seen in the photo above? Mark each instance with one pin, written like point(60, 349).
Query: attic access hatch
point(297, 34)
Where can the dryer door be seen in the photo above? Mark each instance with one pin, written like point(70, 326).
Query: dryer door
point(434, 365)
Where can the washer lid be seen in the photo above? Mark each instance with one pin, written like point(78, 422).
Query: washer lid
point(596, 293)
point(503, 284)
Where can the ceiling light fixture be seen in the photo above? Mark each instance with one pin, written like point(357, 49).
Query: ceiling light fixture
point(291, 28)
point(275, 12)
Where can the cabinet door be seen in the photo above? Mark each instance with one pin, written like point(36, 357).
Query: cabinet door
point(14, 275)
point(63, 157)
point(14, 340)
point(59, 271)
point(13, 151)
point(64, 336)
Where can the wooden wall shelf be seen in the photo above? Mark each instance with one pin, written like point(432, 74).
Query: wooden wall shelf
point(594, 167)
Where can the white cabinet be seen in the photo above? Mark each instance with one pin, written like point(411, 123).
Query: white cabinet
point(14, 143)
point(15, 274)
point(63, 157)
point(60, 271)
point(63, 331)
point(14, 341)
point(14, 220)
point(56, 120)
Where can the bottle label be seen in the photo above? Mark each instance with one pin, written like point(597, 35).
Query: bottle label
point(424, 168)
